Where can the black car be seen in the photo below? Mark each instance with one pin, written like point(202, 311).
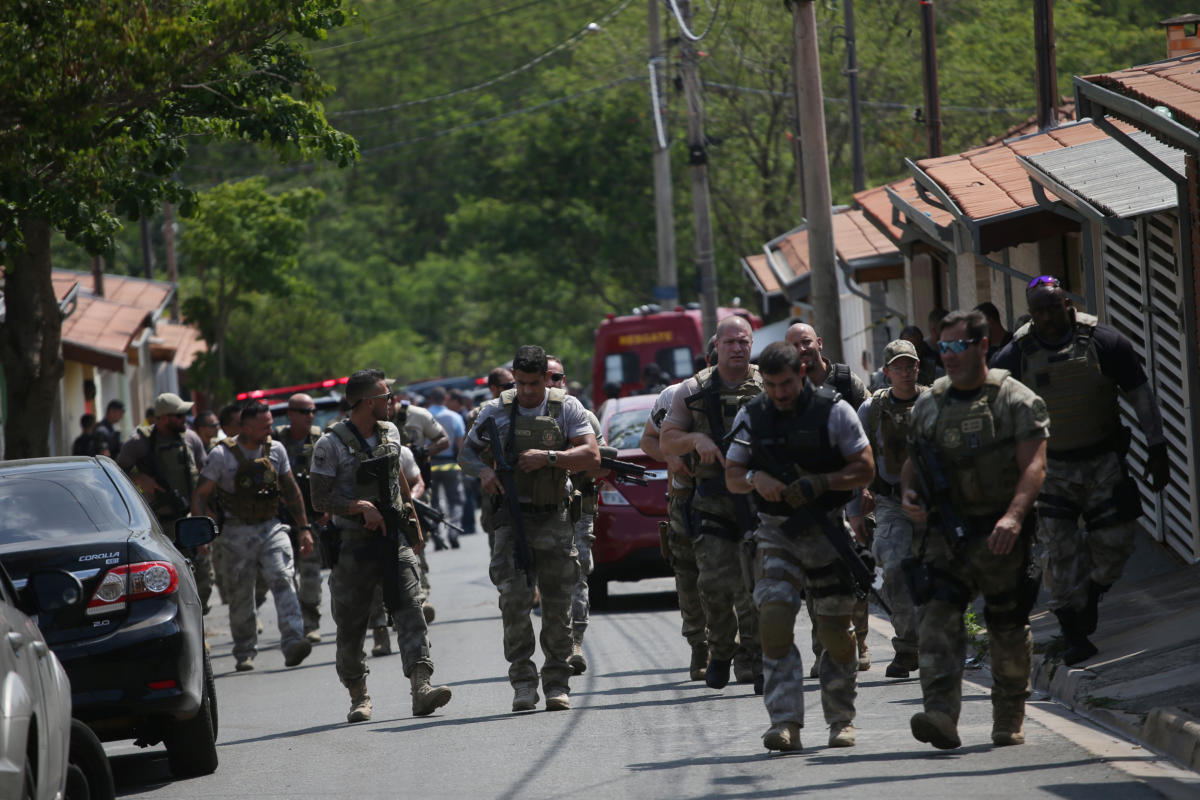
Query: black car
point(133, 646)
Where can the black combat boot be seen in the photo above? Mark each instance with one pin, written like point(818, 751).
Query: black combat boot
point(1079, 648)
point(1090, 616)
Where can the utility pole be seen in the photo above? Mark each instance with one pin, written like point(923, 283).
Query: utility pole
point(667, 291)
point(169, 248)
point(933, 105)
point(818, 197)
point(856, 133)
point(147, 256)
point(698, 167)
point(1047, 67)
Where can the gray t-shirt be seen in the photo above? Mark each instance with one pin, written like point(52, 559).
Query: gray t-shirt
point(572, 418)
point(223, 464)
point(662, 405)
point(333, 459)
point(421, 426)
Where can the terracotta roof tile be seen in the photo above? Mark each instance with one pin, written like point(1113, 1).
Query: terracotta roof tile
point(877, 206)
point(855, 238)
point(181, 343)
point(104, 325)
point(795, 252)
point(762, 273)
point(1174, 84)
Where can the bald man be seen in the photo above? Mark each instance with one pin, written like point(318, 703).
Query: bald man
point(697, 425)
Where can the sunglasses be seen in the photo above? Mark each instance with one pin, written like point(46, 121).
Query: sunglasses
point(956, 346)
point(378, 396)
point(1044, 280)
point(304, 410)
point(557, 376)
point(509, 385)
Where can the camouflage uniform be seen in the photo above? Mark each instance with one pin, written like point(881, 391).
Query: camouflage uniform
point(977, 440)
point(584, 526)
point(548, 532)
point(308, 584)
point(731, 614)
point(817, 436)
point(354, 580)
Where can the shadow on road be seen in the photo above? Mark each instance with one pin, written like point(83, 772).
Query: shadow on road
point(629, 603)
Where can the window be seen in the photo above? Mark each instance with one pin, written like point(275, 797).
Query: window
point(61, 504)
point(621, 368)
point(675, 361)
point(625, 428)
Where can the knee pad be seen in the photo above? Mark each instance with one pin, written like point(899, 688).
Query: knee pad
point(776, 624)
point(834, 634)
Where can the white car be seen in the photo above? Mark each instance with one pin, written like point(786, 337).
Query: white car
point(35, 703)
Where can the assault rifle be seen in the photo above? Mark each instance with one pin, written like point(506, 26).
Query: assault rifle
point(625, 471)
point(935, 491)
point(395, 525)
point(435, 515)
point(803, 518)
point(522, 555)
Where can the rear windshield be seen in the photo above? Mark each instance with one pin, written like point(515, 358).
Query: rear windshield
point(625, 428)
point(59, 504)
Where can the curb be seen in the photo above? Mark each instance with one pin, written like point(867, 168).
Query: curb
point(1166, 730)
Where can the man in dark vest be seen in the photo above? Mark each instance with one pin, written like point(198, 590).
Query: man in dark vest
point(802, 451)
point(299, 437)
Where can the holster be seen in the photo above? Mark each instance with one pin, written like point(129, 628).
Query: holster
point(329, 542)
point(576, 506)
point(920, 581)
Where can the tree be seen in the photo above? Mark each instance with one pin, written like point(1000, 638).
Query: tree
point(97, 102)
point(242, 239)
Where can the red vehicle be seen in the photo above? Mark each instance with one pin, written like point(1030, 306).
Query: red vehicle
point(671, 339)
point(626, 546)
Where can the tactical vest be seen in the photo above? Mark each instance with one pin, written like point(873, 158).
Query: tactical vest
point(255, 495)
point(791, 445)
point(1081, 399)
point(841, 378)
point(679, 481)
point(713, 409)
point(547, 486)
point(299, 452)
point(385, 455)
point(982, 467)
point(174, 467)
point(890, 417)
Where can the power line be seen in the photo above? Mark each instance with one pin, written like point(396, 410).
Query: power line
point(506, 115)
point(685, 30)
point(572, 40)
point(873, 103)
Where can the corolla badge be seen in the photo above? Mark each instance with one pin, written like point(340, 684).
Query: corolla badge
point(99, 556)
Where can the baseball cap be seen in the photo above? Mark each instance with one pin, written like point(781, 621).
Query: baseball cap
point(171, 403)
point(899, 348)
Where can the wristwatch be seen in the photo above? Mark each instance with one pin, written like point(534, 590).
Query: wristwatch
point(551, 457)
point(750, 473)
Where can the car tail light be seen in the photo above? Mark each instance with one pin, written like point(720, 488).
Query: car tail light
point(609, 496)
point(133, 582)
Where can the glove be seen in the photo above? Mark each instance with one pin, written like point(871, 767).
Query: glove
point(806, 489)
point(1158, 467)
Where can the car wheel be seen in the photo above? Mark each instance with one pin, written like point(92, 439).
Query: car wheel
point(597, 592)
point(210, 686)
point(191, 743)
point(89, 776)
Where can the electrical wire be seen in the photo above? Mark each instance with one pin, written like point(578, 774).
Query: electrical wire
point(683, 27)
point(572, 40)
point(873, 103)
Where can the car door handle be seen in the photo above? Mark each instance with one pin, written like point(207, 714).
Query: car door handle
point(16, 639)
point(40, 649)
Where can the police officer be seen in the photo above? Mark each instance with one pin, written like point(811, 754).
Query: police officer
point(584, 498)
point(701, 415)
point(884, 416)
point(987, 432)
point(250, 475)
point(299, 437)
point(820, 370)
point(110, 426)
point(165, 460)
point(498, 380)
point(546, 434)
point(802, 451)
point(345, 483)
point(681, 553)
point(1078, 366)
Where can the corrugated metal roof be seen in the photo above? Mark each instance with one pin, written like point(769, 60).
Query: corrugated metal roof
point(1112, 177)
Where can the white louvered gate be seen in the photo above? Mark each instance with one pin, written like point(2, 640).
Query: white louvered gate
point(1143, 299)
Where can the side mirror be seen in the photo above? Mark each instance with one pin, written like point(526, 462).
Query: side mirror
point(194, 531)
point(54, 589)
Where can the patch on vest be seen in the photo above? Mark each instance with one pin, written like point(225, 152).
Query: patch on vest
point(972, 425)
point(548, 438)
point(951, 438)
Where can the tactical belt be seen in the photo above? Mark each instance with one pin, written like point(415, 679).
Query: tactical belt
point(679, 491)
point(881, 488)
point(530, 508)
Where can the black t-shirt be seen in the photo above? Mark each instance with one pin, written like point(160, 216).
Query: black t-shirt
point(89, 444)
point(1117, 358)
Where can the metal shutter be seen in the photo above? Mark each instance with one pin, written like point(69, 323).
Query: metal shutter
point(1143, 299)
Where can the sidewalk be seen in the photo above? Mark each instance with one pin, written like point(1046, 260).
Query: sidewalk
point(1145, 681)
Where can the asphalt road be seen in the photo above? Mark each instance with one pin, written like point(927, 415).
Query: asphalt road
point(638, 726)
